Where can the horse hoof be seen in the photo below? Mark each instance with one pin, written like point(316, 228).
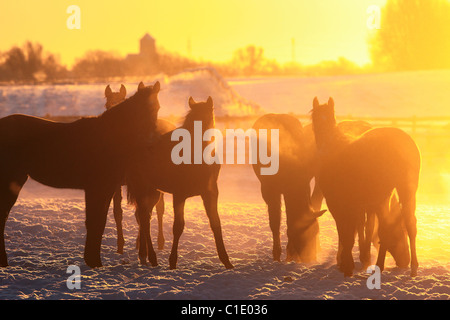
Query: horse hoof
point(143, 262)
point(154, 263)
point(229, 266)
point(348, 274)
point(94, 265)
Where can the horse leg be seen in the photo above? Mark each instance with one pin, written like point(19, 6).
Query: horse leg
point(346, 231)
point(178, 227)
point(8, 196)
point(160, 215)
point(97, 205)
point(409, 216)
point(144, 207)
point(273, 200)
point(137, 221)
point(294, 246)
point(118, 217)
point(365, 231)
point(210, 202)
point(361, 239)
point(382, 213)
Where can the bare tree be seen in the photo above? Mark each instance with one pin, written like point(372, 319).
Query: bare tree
point(249, 59)
point(26, 63)
point(99, 63)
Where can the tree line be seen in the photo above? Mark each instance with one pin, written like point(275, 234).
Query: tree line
point(412, 35)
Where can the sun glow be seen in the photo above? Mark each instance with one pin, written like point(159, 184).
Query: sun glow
point(304, 31)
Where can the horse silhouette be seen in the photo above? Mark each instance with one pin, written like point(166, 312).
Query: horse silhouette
point(91, 154)
point(292, 181)
point(351, 128)
point(162, 126)
point(360, 176)
point(157, 173)
point(368, 227)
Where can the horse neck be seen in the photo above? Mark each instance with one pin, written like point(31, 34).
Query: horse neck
point(330, 140)
point(190, 121)
point(117, 118)
point(190, 124)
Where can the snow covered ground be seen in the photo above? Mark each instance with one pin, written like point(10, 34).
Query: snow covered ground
point(45, 235)
point(45, 232)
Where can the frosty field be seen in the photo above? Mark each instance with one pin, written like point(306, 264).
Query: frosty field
point(45, 235)
point(45, 231)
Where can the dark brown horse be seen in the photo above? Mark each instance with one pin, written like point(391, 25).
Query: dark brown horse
point(359, 176)
point(162, 127)
point(157, 172)
point(91, 154)
point(292, 181)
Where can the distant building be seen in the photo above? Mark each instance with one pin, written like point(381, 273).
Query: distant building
point(146, 61)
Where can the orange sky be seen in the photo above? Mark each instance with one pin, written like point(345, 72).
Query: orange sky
point(323, 30)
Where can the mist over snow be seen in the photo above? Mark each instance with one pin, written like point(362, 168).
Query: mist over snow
point(88, 99)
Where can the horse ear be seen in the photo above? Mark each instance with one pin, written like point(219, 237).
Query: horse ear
point(315, 103)
point(191, 102)
point(108, 91)
point(331, 102)
point(210, 102)
point(123, 91)
point(156, 87)
point(141, 86)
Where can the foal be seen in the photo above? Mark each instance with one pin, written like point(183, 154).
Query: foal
point(162, 127)
point(158, 173)
point(359, 176)
point(91, 154)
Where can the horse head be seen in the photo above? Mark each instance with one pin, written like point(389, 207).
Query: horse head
point(114, 98)
point(201, 111)
point(394, 236)
point(133, 121)
point(323, 116)
point(303, 239)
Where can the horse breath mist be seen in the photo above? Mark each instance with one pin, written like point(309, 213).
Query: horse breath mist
point(213, 152)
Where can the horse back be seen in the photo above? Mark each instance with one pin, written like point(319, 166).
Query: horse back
point(17, 128)
point(391, 143)
point(294, 155)
point(54, 153)
point(370, 167)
